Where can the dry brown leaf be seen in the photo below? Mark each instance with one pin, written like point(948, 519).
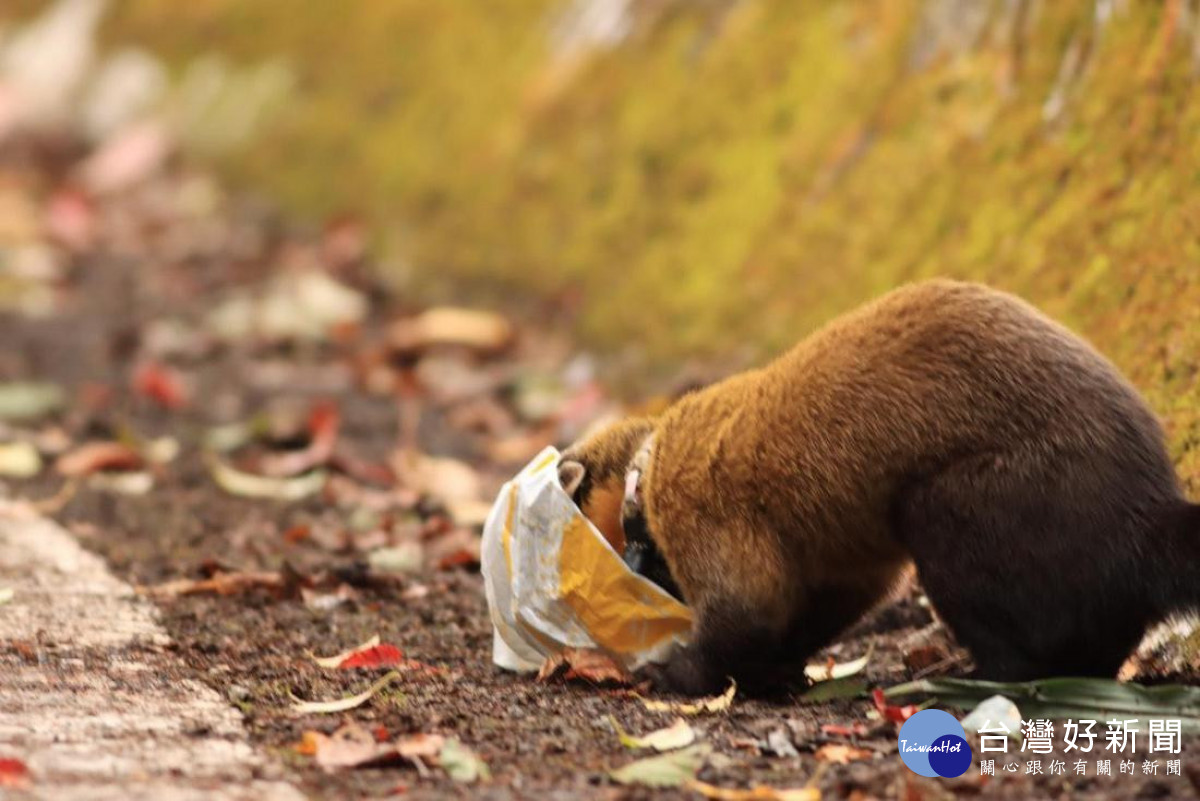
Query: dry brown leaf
point(219, 584)
point(678, 735)
point(343, 704)
point(420, 745)
point(587, 664)
point(353, 746)
point(479, 331)
point(757, 793)
point(449, 480)
point(840, 754)
point(717, 703)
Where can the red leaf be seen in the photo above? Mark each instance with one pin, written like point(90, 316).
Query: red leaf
point(896, 714)
point(463, 557)
point(324, 422)
point(378, 656)
point(297, 533)
point(160, 384)
point(14, 773)
point(95, 456)
point(71, 218)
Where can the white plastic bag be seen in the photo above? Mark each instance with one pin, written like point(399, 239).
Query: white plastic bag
point(554, 582)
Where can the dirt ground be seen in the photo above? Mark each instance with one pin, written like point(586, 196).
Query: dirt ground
point(136, 290)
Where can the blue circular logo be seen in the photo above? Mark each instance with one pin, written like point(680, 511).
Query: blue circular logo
point(932, 743)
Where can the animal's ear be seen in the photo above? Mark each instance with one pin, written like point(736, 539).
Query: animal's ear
point(570, 475)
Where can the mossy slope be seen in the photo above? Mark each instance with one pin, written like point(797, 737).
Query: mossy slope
point(736, 173)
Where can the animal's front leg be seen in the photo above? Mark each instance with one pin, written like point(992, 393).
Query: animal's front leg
point(728, 643)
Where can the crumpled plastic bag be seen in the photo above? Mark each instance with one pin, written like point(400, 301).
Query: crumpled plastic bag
point(553, 582)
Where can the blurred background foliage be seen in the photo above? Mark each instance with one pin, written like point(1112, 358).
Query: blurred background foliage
point(710, 179)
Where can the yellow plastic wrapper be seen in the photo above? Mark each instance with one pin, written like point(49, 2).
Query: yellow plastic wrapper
point(553, 582)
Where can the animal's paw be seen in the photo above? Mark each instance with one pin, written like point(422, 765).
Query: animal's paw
point(685, 673)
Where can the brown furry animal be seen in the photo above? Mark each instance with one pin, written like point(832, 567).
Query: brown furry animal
point(945, 424)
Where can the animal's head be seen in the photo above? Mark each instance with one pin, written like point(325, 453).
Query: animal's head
point(604, 473)
point(593, 470)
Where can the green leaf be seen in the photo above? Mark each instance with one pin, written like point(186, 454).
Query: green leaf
point(844, 670)
point(1067, 697)
point(665, 770)
point(833, 690)
point(343, 704)
point(461, 763)
point(249, 485)
point(29, 400)
point(677, 735)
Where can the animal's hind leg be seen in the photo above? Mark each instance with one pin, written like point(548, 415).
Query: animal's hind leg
point(1026, 560)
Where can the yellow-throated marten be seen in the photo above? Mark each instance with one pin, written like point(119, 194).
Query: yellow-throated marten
point(946, 425)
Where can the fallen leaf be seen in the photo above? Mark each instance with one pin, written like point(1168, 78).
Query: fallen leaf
point(70, 218)
point(354, 746)
point(665, 770)
point(840, 730)
point(992, 712)
point(161, 450)
point(463, 557)
point(839, 754)
point(14, 773)
point(324, 422)
point(138, 482)
point(351, 746)
point(218, 584)
point(407, 557)
point(469, 514)
point(677, 735)
point(924, 657)
point(231, 436)
point(160, 384)
point(371, 654)
point(461, 763)
point(95, 456)
point(19, 460)
point(250, 485)
point(831, 690)
point(343, 704)
point(126, 158)
point(337, 659)
point(304, 304)
point(479, 331)
point(832, 670)
point(781, 744)
point(449, 480)
point(456, 548)
point(29, 400)
point(310, 741)
point(588, 664)
point(896, 714)
point(717, 703)
point(6, 595)
point(297, 534)
point(757, 793)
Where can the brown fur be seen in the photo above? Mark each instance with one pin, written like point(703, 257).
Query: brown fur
point(945, 423)
point(602, 487)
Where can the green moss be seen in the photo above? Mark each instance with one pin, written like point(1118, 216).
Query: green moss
point(728, 179)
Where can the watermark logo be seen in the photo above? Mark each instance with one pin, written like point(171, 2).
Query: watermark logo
point(932, 743)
